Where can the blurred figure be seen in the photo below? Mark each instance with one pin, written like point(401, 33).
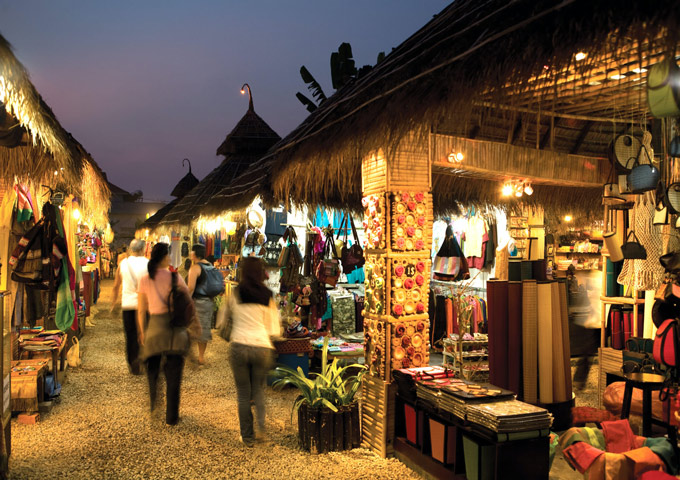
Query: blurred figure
point(255, 319)
point(158, 339)
point(130, 270)
point(205, 306)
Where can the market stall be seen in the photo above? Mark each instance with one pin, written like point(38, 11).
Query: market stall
point(513, 107)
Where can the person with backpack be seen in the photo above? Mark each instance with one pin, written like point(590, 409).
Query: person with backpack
point(126, 281)
point(205, 283)
point(158, 339)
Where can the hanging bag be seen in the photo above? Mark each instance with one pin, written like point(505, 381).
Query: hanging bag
point(672, 198)
point(662, 88)
point(643, 177)
point(328, 269)
point(632, 248)
point(621, 149)
point(352, 257)
point(666, 343)
point(340, 244)
point(73, 354)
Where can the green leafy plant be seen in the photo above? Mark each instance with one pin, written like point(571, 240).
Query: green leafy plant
point(332, 388)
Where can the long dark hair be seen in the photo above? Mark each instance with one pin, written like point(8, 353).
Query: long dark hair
point(251, 288)
point(158, 253)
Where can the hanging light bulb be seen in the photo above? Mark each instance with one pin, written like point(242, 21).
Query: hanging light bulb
point(507, 190)
point(568, 218)
point(528, 189)
point(459, 157)
point(76, 214)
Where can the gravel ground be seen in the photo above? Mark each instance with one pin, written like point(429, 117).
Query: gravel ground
point(101, 427)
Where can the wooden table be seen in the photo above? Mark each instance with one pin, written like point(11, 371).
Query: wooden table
point(55, 353)
point(648, 383)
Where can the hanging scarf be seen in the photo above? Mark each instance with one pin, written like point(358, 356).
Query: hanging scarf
point(24, 202)
point(65, 314)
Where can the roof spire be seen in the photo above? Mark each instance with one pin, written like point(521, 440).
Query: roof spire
point(250, 96)
point(189, 162)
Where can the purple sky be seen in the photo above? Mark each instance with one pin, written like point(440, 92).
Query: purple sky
point(144, 84)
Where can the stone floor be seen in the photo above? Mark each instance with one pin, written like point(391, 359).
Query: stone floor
point(101, 427)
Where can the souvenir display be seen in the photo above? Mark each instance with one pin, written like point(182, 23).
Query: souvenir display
point(409, 344)
point(411, 221)
point(410, 280)
point(375, 273)
point(374, 221)
point(375, 346)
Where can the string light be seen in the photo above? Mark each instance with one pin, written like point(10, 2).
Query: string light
point(456, 157)
point(568, 218)
point(507, 190)
point(580, 56)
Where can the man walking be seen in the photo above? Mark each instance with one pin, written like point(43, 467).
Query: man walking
point(129, 271)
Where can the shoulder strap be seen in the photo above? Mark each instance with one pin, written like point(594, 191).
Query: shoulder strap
point(354, 230)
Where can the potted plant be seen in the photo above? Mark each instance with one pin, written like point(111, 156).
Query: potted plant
point(328, 415)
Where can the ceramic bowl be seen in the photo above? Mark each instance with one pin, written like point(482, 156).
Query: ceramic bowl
point(417, 360)
point(417, 340)
point(410, 307)
point(398, 353)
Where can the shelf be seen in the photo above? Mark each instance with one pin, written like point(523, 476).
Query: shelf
point(580, 253)
point(622, 300)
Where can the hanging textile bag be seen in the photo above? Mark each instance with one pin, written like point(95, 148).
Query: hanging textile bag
point(73, 354)
point(661, 215)
point(643, 177)
point(662, 88)
point(352, 257)
point(450, 264)
point(180, 305)
point(632, 248)
point(621, 149)
point(339, 243)
point(328, 269)
point(666, 343)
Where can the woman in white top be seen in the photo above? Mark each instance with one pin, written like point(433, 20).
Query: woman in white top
point(255, 319)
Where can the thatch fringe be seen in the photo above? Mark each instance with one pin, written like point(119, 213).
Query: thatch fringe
point(492, 51)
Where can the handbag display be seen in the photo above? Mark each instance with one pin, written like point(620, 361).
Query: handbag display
point(661, 215)
point(643, 177)
point(632, 248)
point(353, 257)
point(672, 198)
point(450, 264)
point(662, 91)
point(611, 194)
point(621, 149)
point(613, 247)
point(180, 305)
point(674, 147)
point(328, 269)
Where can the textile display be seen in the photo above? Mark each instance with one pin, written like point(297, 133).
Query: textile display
point(515, 270)
point(545, 345)
point(530, 340)
point(539, 268)
point(515, 337)
point(566, 345)
point(559, 374)
point(497, 294)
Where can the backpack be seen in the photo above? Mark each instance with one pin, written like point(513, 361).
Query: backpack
point(666, 349)
point(213, 282)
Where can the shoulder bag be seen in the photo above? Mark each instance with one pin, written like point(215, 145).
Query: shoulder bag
point(632, 248)
point(328, 269)
point(352, 257)
point(180, 305)
point(225, 320)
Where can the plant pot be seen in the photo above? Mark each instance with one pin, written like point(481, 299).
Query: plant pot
point(322, 430)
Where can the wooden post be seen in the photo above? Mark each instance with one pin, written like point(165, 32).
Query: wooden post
point(398, 218)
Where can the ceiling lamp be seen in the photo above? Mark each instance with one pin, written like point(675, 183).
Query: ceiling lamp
point(580, 56)
point(456, 157)
point(507, 190)
point(528, 189)
point(568, 218)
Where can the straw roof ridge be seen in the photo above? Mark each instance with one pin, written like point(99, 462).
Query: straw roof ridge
point(251, 134)
point(185, 185)
point(471, 50)
point(153, 221)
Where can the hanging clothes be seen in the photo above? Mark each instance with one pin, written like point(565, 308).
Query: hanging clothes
point(474, 236)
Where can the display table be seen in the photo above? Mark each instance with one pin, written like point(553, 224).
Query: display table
point(28, 384)
point(55, 352)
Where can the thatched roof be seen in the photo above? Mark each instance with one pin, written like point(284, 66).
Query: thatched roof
point(245, 145)
point(495, 70)
point(185, 185)
point(153, 221)
point(49, 147)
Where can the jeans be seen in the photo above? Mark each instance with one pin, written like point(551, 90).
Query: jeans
point(174, 364)
point(250, 366)
point(131, 341)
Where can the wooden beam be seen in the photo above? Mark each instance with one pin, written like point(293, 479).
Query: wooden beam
point(581, 137)
point(551, 114)
point(512, 137)
point(546, 136)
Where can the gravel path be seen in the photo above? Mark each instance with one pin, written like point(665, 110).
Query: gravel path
point(101, 427)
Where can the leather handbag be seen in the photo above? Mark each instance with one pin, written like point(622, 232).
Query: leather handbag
point(632, 249)
point(662, 91)
point(661, 216)
point(339, 244)
point(328, 269)
point(671, 262)
point(352, 257)
point(643, 177)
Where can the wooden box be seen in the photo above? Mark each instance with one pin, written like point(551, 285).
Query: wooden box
point(377, 415)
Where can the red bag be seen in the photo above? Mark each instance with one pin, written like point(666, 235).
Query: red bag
point(666, 343)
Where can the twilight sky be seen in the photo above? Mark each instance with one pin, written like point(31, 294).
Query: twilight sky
point(144, 84)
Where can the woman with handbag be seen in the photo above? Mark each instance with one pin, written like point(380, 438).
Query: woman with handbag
point(157, 338)
point(254, 318)
point(205, 305)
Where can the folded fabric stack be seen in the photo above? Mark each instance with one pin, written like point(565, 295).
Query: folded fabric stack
point(509, 416)
point(46, 340)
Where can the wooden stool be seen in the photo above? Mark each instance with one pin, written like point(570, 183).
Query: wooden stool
point(648, 383)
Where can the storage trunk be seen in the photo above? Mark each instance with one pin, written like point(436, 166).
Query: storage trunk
point(322, 430)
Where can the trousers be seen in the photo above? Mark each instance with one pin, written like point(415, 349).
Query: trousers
point(250, 366)
point(131, 342)
point(174, 365)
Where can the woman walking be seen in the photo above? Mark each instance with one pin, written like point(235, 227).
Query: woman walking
point(255, 319)
point(156, 337)
point(205, 306)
